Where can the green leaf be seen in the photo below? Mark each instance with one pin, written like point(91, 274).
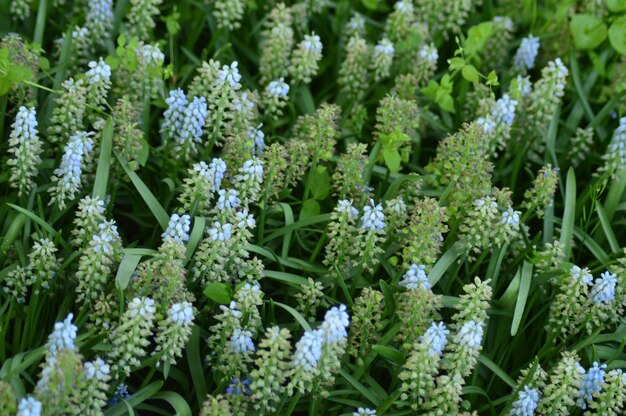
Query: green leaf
point(470, 73)
point(320, 183)
point(44, 63)
point(104, 162)
point(176, 401)
point(392, 159)
point(492, 79)
point(443, 264)
point(150, 200)
point(35, 218)
point(18, 73)
point(310, 208)
point(446, 102)
point(497, 370)
point(431, 89)
point(569, 211)
point(389, 353)
point(196, 235)
point(522, 295)
point(456, 63)
point(295, 314)
point(390, 304)
point(370, 4)
point(125, 271)
point(195, 364)
point(587, 30)
point(218, 292)
point(477, 37)
point(617, 35)
point(606, 227)
point(616, 6)
point(369, 394)
point(286, 277)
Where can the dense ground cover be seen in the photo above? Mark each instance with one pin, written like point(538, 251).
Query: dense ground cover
point(312, 207)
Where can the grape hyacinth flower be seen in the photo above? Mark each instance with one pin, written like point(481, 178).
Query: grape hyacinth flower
point(97, 369)
point(258, 139)
point(335, 323)
point(603, 290)
point(175, 113)
point(245, 219)
point(470, 336)
point(415, 277)
point(592, 383)
point(382, 58)
point(276, 96)
point(29, 406)
point(305, 58)
point(278, 88)
point(228, 199)
point(63, 336)
point(364, 411)
point(26, 149)
point(239, 387)
point(373, 217)
point(615, 156)
point(67, 177)
point(241, 341)
point(217, 170)
point(99, 20)
point(511, 217)
point(178, 228)
point(121, 392)
point(230, 75)
point(190, 134)
point(524, 58)
point(583, 275)
point(220, 232)
point(345, 205)
point(429, 53)
point(308, 350)
point(98, 83)
point(181, 313)
point(526, 403)
point(436, 337)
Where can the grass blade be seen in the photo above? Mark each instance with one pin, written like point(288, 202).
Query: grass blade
point(295, 314)
point(104, 162)
point(125, 271)
point(606, 227)
point(176, 401)
point(443, 264)
point(522, 296)
point(148, 197)
point(569, 212)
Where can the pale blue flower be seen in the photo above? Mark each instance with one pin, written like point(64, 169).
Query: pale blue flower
point(526, 53)
point(181, 313)
point(526, 403)
point(373, 217)
point(470, 336)
point(63, 336)
point(603, 290)
point(308, 350)
point(592, 383)
point(178, 228)
point(241, 341)
point(415, 277)
point(436, 337)
point(29, 406)
point(335, 323)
